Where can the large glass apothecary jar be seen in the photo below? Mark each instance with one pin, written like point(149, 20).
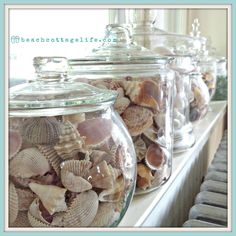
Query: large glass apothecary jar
point(145, 102)
point(72, 162)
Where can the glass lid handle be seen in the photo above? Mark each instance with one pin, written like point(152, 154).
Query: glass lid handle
point(195, 29)
point(50, 68)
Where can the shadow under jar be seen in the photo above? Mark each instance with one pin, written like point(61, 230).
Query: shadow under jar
point(72, 162)
point(145, 104)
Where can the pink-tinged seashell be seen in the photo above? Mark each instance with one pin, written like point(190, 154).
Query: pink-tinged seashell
point(96, 131)
point(53, 158)
point(114, 194)
point(35, 216)
point(77, 167)
point(21, 220)
point(144, 177)
point(25, 198)
point(137, 119)
point(15, 123)
point(105, 215)
point(20, 182)
point(97, 156)
point(82, 210)
point(102, 176)
point(13, 203)
point(74, 183)
point(117, 157)
point(155, 157)
point(121, 104)
point(15, 142)
point(74, 118)
point(140, 149)
point(41, 130)
point(144, 93)
point(70, 141)
point(52, 197)
point(121, 92)
point(29, 162)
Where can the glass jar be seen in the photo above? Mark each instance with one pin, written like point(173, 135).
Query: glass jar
point(199, 106)
point(145, 103)
point(72, 162)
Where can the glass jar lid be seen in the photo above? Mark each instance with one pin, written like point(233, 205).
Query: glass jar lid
point(52, 89)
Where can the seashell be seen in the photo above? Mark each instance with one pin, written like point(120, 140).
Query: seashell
point(158, 177)
point(121, 92)
point(35, 215)
point(100, 84)
point(121, 104)
point(137, 119)
point(155, 157)
point(208, 76)
point(53, 158)
point(160, 120)
point(144, 177)
point(199, 98)
point(105, 214)
point(77, 167)
point(70, 141)
point(96, 131)
point(13, 203)
point(74, 118)
point(25, 198)
point(29, 162)
point(117, 157)
point(15, 142)
point(114, 194)
point(97, 156)
point(57, 220)
point(43, 130)
point(144, 93)
point(82, 210)
point(74, 183)
point(20, 182)
point(102, 176)
point(140, 149)
point(21, 220)
point(15, 123)
point(52, 197)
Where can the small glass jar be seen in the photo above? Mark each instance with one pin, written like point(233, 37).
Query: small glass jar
point(200, 104)
point(145, 102)
point(72, 162)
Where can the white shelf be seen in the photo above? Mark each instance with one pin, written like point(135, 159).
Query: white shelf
point(142, 207)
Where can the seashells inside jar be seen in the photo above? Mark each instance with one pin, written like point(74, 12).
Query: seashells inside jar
point(72, 162)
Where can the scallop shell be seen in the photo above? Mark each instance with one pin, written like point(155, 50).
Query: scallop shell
point(117, 157)
point(35, 215)
point(13, 203)
point(54, 159)
point(21, 220)
point(41, 130)
point(144, 177)
point(105, 214)
point(29, 162)
point(70, 141)
point(137, 119)
point(155, 157)
point(114, 194)
point(82, 210)
point(102, 176)
point(74, 183)
point(15, 142)
point(52, 197)
point(144, 93)
point(25, 198)
point(77, 167)
point(96, 131)
point(74, 118)
point(140, 149)
point(97, 156)
point(121, 104)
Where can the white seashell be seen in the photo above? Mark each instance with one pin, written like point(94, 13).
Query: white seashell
point(15, 143)
point(34, 222)
point(82, 210)
point(29, 162)
point(74, 183)
point(52, 197)
point(117, 157)
point(160, 120)
point(13, 203)
point(97, 156)
point(105, 214)
point(140, 149)
point(21, 220)
point(25, 198)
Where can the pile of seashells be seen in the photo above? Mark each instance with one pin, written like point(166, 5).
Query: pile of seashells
point(210, 80)
point(66, 171)
point(141, 105)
